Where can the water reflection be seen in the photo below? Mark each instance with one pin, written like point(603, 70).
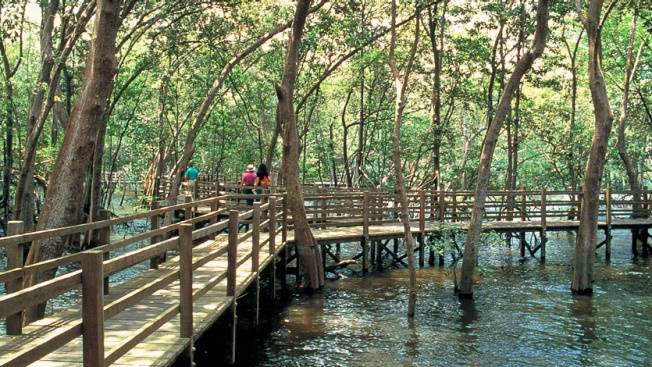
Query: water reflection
point(583, 311)
point(523, 314)
point(412, 343)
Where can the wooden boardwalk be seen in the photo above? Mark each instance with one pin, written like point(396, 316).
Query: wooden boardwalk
point(154, 318)
point(162, 347)
point(356, 233)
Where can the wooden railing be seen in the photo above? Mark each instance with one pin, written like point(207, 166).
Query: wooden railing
point(324, 209)
point(97, 266)
point(348, 209)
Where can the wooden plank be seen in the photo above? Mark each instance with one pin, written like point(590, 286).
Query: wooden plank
point(92, 308)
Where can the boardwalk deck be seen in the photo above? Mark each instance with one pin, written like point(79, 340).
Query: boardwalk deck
point(141, 322)
point(163, 346)
point(355, 233)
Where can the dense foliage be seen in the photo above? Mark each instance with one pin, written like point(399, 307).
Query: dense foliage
point(170, 52)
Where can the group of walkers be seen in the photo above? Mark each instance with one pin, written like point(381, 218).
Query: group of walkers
point(250, 180)
point(253, 179)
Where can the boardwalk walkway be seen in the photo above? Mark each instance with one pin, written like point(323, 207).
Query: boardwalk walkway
point(154, 318)
point(163, 346)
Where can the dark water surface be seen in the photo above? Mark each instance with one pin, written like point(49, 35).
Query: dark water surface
point(523, 314)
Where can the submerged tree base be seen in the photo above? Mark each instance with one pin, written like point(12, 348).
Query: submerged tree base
point(583, 292)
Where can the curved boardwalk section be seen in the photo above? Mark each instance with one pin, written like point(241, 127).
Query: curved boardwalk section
point(198, 266)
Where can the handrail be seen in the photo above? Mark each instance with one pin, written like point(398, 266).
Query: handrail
point(325, 209)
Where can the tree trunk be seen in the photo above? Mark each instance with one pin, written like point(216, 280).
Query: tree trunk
point(207, 103)
point(400, 84)
point(10, 116)
point(64, 196)
point(488, 147)
point(628, 161)
point(585, 245)
point(25, 189)
point(345, 142)
point(309, 250)
point(437, 45)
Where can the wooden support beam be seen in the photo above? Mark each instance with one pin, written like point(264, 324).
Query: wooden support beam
point(15, 259)
point(188, 211)
point(271, 229)
point(365, 233)
point(93, 308)
point(607, 232)
point(155, 224)
point(232, 254)
point(105, 239)
point(255, 239)
point(544, 224)
point(441, 215)
point(185, 290)
point(215, 205)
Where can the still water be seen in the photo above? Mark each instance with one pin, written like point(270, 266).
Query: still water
point(523, 314)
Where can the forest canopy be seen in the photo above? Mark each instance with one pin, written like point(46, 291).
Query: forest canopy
point(175, 59)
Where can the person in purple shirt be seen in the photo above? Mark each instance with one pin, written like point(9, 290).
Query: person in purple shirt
point(248, 181)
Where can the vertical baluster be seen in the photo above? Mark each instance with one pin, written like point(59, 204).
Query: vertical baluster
point(93, 308)
point(185, 289)
point(15, 260)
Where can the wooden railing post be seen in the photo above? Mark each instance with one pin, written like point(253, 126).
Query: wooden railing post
point(454, 212)
point(156, 191)
point(422, 228)
point(646, 205)
point(154, 225)
point(322, 202)
point(213, 219)
point(544, 224)
point(185, 287)
point(442, 205)
point(232, 254)
point(105, 239)
point(216, 188)
point(255, 239)
point(521, 234)
point(365, 232)
point(284, 231)
point(93, 308)
point(422, 212)
point(523, 204)
point(608, 219)
point(272, 226)
point(15, 260)
point(187, 213)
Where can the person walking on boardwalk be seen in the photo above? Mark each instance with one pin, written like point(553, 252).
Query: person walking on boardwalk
point(263, 181)
point(247, 183)
point(191, 178)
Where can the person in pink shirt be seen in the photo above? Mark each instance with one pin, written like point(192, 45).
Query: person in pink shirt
point(247, 182)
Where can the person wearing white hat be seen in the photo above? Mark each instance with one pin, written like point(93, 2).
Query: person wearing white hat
point(247, 182)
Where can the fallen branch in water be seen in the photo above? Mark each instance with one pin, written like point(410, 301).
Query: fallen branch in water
point(341, 264)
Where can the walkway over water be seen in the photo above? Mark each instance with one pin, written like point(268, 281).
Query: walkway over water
point(199, 266)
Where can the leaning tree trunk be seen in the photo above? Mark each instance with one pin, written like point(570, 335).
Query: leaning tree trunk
point(484, 170)
point(25, 188)
point(585, 245)
point(309, 250)
point(64, 196)
point(400, 83)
